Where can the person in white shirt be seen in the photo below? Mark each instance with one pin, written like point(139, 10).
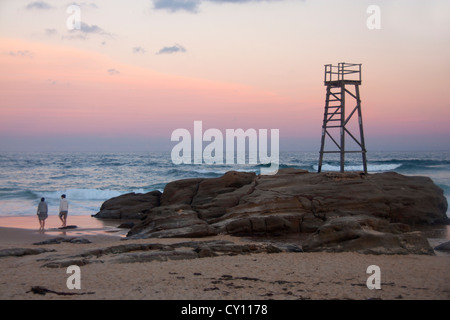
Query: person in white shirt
point(63, 210)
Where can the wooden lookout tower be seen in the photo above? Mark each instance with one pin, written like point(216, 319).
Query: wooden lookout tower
point(340, 80)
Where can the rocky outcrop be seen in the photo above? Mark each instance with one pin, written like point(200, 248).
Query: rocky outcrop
point(147, 252)
point(341, 211)
point(129, 206)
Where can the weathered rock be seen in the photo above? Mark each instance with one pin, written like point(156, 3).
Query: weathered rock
point(148, 252)
point(301, 202)
point(155, 256)
point(129, 206)
point(79, 240)
point(392, 196)
point(58, 240)
point(285, 247)
point(180, 191)
point(273, 224)
point(205, 251)
point(43, 291)
point(64, 263)
point(366, 235)
point(68, 227)
point(293, 201)
point(19, 252)
point(172, 222)
point(126, 225)
point(125, 248)
point(443, 246)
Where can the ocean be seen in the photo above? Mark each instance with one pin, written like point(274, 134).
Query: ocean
point(88, 179)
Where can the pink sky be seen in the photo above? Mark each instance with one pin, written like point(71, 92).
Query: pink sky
point(245, 74)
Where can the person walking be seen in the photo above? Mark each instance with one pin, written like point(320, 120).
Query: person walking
point(42, 213)
point(63, 210)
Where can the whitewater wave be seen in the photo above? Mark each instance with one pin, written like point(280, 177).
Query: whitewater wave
point(88, 194)
point(222, 172)
point(14, 194)
point(208, 172)
point(370, 167)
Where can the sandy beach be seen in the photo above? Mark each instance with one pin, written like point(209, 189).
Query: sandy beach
point(261, 276)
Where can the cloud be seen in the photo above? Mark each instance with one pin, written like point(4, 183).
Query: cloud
point(50, 32)
point(192, 5)
point(113, 72)
point(237, 1)
point(38, 5)
point(21, 53)
point(85, 29)
point(176, 5)
point(139, 50)
point(173, 49)
point(85, 5)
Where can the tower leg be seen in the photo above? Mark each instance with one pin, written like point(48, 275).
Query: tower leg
point(321, 150)
point(361, 130)
point(324, 125)
point(342, 147)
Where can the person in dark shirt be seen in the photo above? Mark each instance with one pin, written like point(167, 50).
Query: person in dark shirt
point(42, 213)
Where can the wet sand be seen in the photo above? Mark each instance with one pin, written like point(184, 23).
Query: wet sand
point(85, 224)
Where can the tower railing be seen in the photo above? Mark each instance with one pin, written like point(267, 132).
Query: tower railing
point(350, 72)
